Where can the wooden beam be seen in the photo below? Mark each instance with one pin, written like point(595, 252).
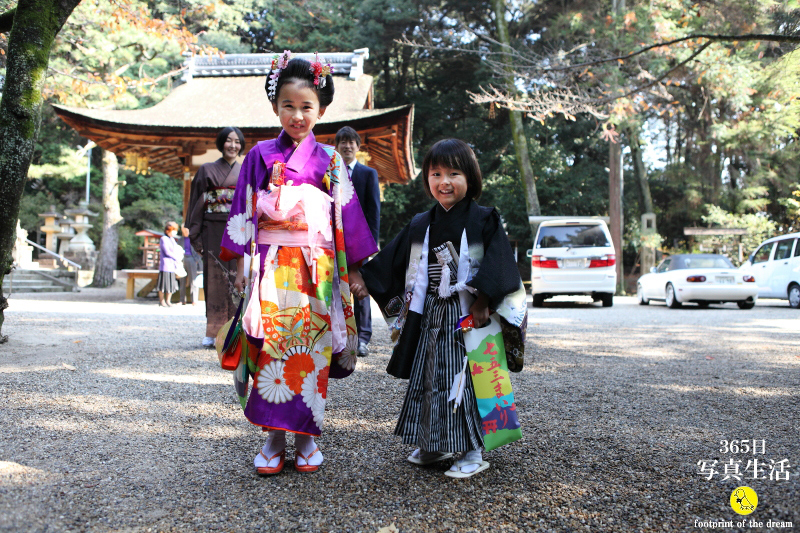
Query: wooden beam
point(714, 231)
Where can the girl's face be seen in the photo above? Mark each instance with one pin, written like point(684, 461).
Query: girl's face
point(232, 147)
point(448, 185)
point(297, 107)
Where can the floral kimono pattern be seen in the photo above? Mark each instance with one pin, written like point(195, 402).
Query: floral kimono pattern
point(294, 209)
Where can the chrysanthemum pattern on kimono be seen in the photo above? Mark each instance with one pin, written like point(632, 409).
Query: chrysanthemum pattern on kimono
point(297, 204)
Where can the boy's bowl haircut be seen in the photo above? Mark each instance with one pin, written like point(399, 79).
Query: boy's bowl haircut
point(454, 153)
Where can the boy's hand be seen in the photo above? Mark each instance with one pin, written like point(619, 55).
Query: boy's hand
point(480, 310)
point(357, 286)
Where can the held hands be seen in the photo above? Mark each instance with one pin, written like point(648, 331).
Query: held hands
point(480, 310)
point(238, 284)
point(357, 286)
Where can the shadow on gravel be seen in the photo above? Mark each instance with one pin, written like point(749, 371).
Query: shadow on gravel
point(143, 432)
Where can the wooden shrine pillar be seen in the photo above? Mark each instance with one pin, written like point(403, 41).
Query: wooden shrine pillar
point(187, 189)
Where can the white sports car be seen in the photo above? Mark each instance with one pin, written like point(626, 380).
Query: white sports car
point(698, 278)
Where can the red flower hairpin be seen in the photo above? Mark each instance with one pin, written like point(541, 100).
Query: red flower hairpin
point(320, 71)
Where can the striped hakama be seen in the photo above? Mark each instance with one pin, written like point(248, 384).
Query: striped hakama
point(426, 418)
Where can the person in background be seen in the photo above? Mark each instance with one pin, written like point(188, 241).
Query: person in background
point(192, 263)
point(171, 256)
point(209, 204)
point(365, 182)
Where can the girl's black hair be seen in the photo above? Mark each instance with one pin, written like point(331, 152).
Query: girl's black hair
point(300, 70)
point(454, 153)
point(222, 136)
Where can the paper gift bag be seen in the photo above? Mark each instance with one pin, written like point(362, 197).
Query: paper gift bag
point(488, 368)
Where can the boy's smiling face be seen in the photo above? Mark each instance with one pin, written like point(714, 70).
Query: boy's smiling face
point(448, 185)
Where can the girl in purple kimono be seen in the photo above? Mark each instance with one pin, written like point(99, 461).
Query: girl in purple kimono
point(295, 214)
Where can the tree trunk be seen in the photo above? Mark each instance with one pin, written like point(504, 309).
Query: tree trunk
point(36, 24)
point(615, 207)
point(107, 258)
point(640, 173)
point(517, 129)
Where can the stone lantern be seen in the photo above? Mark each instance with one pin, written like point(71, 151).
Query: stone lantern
point(81, 243)
point(51, 228)
point(81, 249)
point(65, 234)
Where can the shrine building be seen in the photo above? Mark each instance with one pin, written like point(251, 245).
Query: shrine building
point(178, 134)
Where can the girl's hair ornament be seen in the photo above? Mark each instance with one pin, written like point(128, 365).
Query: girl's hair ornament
point(320, 71)
point(279, 62)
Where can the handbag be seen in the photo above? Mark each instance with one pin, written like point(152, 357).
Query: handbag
point(231, 341)
point(180, 272)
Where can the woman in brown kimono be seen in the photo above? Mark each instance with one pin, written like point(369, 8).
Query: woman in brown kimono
point(209, 204)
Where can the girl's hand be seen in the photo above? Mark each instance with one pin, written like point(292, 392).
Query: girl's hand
point(357, 286)
point(480, 310)
point(239, 283)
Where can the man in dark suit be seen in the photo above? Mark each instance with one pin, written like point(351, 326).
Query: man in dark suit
point(365, 182)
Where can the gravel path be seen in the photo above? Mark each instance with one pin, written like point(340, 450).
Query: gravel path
point(114, 420)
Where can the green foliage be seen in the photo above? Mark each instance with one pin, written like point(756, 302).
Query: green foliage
point(224, 42)
point(147, 213)
point(400, 204)
point(758, 226)
point(129, 256)
point(30, 207)
point(155, 186)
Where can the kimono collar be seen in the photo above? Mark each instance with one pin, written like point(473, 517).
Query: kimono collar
point(309, 159)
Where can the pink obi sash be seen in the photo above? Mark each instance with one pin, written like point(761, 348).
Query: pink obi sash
point(291, 215)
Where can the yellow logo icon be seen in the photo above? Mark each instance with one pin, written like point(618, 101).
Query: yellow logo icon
point(744, 500)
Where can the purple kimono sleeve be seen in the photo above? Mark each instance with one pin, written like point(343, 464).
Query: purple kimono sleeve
point(241, 225)
point(358, 241)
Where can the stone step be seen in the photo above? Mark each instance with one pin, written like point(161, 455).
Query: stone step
point(39, 281)
point(37, 288)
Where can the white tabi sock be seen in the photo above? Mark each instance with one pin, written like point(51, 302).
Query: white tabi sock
point(469, 463)
point(276, 443)
point(305, 445)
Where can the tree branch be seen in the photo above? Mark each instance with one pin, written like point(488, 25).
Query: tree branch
point(659, 79)
point(516, 55)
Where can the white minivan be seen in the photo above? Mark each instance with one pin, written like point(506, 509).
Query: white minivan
point(776, 267)
point(573, 256)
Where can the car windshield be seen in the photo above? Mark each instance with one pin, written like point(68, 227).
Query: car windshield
point(572, 236)
point(711, 261)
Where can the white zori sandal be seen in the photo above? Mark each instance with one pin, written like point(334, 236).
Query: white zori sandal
point(418, 457)
point(468, 466)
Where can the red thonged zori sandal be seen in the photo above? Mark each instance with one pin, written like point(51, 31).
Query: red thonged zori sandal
point(271, 470)
point(306, 467)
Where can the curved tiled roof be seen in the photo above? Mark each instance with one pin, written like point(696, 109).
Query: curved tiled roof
point(178, 133)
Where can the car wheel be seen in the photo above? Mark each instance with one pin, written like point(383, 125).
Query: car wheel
point(794, 296)
point(703, 305)
point(672, 301)
point(640, 294)
point(746, 305)
point(607, 299)
point(538, 300)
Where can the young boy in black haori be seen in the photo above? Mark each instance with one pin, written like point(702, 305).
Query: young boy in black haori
point(446, 263)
